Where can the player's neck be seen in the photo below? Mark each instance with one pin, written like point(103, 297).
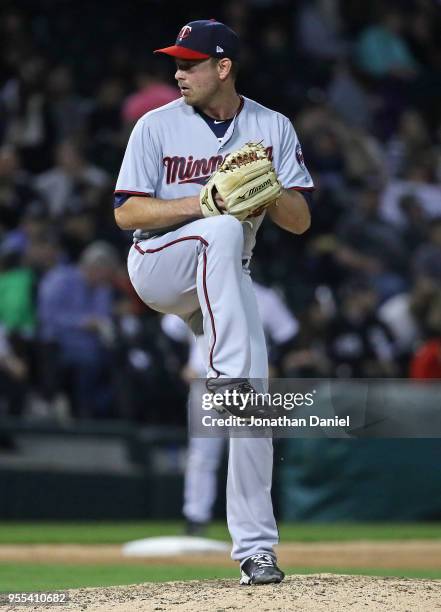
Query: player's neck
point(224, 107)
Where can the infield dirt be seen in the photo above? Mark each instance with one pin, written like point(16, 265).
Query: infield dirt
point(406, 554)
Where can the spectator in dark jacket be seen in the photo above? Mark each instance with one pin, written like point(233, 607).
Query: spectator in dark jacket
point(75, 311)
point(358, 343)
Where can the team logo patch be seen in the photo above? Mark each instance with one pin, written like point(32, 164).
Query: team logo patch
point(299, 155)
point(184, 33)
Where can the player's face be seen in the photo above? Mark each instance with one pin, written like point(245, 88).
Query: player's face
point(198, 81)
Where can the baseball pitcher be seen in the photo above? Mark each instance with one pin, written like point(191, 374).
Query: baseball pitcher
point(197, 178)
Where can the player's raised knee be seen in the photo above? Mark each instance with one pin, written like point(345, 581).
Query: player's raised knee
point(226, 227)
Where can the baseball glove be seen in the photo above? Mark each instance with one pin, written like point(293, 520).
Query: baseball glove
point(246, 181)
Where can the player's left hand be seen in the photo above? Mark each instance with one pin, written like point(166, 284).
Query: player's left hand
point(243, 186)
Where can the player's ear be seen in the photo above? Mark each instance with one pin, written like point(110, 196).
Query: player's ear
point(224, 68)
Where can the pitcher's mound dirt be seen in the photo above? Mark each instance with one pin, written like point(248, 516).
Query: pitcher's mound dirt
point(314, 593)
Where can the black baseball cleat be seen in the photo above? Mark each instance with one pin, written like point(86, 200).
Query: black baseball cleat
point(260, 569)
point(240, 398)
point(195, 528)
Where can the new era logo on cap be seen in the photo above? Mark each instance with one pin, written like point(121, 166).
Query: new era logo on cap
point(203, 39)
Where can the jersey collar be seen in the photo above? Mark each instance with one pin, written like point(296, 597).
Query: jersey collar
point(239, 110)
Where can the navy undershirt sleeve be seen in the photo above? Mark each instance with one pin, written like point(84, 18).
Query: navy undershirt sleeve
point(308, 197)
point(119, 199)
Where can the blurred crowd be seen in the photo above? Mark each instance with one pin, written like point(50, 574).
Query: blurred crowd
point(362, 84)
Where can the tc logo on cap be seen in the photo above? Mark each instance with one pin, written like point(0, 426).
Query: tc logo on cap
point(184, 33)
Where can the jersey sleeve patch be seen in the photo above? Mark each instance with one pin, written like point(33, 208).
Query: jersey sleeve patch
point(299, 156)
point(291, 167)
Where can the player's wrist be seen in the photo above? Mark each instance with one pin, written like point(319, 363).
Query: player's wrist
point(193, 206)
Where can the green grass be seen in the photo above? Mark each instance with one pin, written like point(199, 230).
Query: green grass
point(29, 576)
point(117, 533)
point(43, 577)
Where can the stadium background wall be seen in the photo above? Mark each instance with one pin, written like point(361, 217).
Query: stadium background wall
point(314, 480)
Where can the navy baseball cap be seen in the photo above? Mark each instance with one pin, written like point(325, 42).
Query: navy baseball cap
point(203, 39)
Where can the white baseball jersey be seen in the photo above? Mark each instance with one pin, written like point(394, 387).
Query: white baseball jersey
point(162, 161)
